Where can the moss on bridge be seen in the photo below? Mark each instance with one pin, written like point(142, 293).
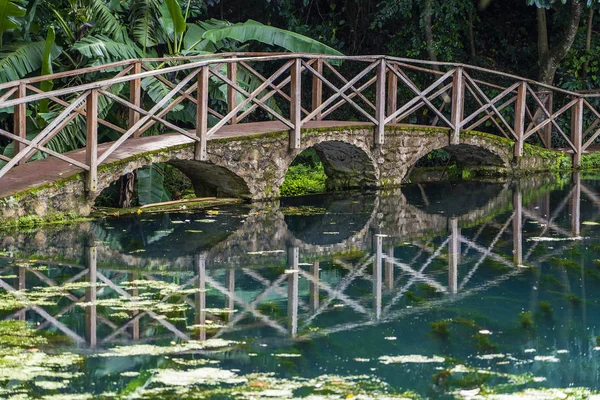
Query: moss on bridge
point(540, 158)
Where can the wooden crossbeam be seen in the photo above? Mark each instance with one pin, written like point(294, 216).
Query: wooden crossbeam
point(49, 131)
point(421, 96)
point(490, 103)
point(550, 118)
point(145, 118)
point(339, 92)
point(250, 97)
point(344, 80)
point(276, 89)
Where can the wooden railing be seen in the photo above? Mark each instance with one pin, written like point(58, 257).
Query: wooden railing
point(295, 89)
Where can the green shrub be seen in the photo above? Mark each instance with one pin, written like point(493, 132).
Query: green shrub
point(304, 179)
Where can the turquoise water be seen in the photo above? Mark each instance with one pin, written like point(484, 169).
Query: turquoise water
point(432, 291)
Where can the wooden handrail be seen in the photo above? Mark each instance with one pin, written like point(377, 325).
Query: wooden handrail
point(382, 90)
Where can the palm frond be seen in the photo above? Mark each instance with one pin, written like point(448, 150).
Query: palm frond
point(144, 22)
point(10, 10)
point(106, 49)
point(157, 91)
point(22, 58)
point(106, 20)
point(151, 185)
point(255, 31)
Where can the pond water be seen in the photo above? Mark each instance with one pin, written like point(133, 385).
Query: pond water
point(439, 290)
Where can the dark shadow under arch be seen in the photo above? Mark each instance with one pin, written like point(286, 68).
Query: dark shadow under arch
point(346, 166)
point(472, 156)
point(212, 180)
point(446, 162)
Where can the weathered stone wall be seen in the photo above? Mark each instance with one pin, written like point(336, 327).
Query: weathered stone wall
point(254, 167)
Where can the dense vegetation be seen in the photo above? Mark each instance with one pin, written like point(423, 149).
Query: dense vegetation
point(555, 41)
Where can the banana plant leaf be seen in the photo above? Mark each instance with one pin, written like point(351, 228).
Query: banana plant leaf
point(150, 184)
point(255, 31)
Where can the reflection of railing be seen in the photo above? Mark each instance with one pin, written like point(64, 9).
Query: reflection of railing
point(461, 98)
point(391, 278)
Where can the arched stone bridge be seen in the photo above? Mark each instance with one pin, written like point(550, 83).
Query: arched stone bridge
point(369, 128)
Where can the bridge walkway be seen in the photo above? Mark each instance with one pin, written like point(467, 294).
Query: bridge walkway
point(50, 170)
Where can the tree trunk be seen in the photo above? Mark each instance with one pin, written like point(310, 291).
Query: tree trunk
point(126, 192)
point(588, 42)
point(550, 58)
point(430, 45)
point(471, 35)
point(429, 32)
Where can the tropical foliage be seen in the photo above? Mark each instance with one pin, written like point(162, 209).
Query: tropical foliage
point(40, 37)
point(552, 40)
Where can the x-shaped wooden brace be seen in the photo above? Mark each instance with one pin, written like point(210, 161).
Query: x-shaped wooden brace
point(149, 115)
point(50, 130)
point(276, 89)
point(340, 92)
point(489, 114)
point(550, 119)
point(592, 126)
point(250, 97)
point(489, 103)
point(422, 96)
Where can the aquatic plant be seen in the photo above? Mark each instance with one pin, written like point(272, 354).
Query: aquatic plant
point(546, 309)
point(526, 320)
point(440, 328)
point(483, 343)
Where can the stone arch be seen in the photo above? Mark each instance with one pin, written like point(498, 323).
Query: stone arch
point(208, 179)
point(472, 151)
point(212, 180)
point(348, 164)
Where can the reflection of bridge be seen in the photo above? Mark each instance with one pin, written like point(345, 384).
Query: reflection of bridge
point(310, 294)
point(242, 144)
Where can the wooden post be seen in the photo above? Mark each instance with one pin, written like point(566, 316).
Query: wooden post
point(91, 144)
point(314, 287)
point(296, 105)
point(517, 225)
point(548, 128)
point(458, 98)
point(380, 103)
point(577, 130)
point(520, 107)
point(453, 251)
point(392, 91)
point(20, 120)
point(135, 98)
point(200, 153)
point(231, 92)
point(231, 288)
point(576, 205)
point(200, 295)
point(377, 276)
point(90, 297)
point(389, 269)
point(292, 300)
point(135, 292)
point(20, 284)
point(317, 89)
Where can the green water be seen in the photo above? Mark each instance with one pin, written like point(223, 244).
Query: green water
point(432, 291)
